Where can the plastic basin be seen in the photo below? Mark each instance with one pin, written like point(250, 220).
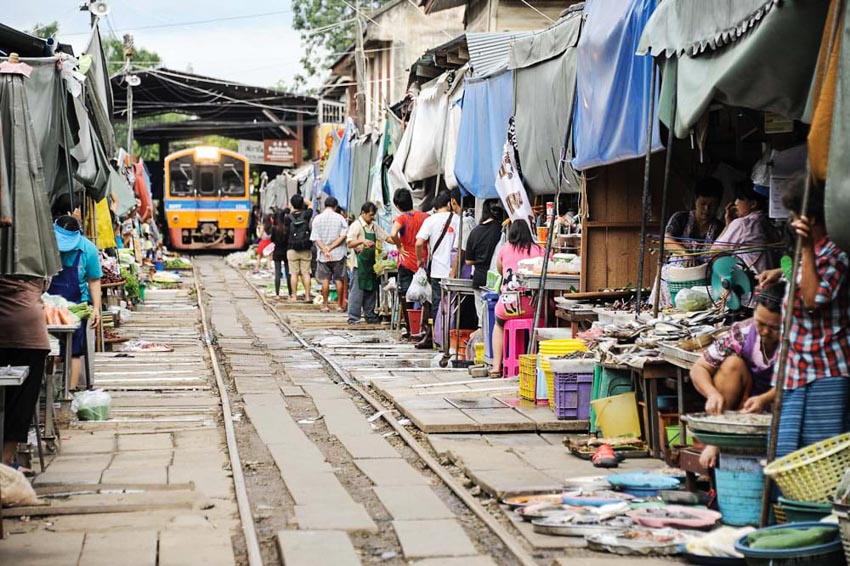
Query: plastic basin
point(830, 554)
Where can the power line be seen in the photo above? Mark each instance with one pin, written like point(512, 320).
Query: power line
point(192, 23)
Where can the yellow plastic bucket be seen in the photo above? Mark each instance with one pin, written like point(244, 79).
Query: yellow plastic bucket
point(479, 352)
point(617, 415)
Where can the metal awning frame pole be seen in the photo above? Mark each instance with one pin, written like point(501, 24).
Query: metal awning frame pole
point(664, 193)
point(782, 369)
point(645, 198)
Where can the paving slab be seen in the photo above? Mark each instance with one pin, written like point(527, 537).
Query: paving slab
point(214, 483)
point(370, 446)
point(322, 391)
point(324, 517)
point(40, 549)
point(129, 548)
point(544, 542)
point(156, 441)
point(546, 457)
point(465, 561)
point(180, 547)
point(505, 483)
point(440, 420)
point(433, 538)
point(472, 457)
point(412, 502)
point(523, 440)
point(292, 391)
point(141, 474)
point(316, 548)
point(391, 472)
point(245, 385)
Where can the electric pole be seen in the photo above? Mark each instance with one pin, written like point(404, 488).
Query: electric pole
point(360, 69)
point(128, 54)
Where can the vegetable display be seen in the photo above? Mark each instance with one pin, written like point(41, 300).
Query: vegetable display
point(781, 539)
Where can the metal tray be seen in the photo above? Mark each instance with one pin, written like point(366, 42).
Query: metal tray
point(730, 422)
point(674, 351)
point(560, 526)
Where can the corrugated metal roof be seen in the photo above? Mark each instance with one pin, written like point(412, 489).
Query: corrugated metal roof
point(489, 51)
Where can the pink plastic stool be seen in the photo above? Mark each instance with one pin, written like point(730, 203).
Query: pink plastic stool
point(517, 334)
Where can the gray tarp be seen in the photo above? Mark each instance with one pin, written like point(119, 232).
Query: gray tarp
point(756, 54)
point(99, 94)
point(364, 151)
point(544, 67)
point(838, 172)
point(29, 246)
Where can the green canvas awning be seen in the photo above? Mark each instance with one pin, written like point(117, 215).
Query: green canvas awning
point(758, 54)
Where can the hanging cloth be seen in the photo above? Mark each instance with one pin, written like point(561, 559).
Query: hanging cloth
point(28, 248)
point(366, 262)
point(826, 80)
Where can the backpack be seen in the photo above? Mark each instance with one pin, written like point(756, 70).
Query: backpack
point(299, 232)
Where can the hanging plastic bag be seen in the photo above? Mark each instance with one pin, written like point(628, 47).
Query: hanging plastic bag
point(420, 288)
point(92, 405)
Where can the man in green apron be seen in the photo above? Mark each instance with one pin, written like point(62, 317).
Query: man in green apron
point(364, 237)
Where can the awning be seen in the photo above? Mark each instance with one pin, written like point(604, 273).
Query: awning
point(612, 85)
point(757, 54)
point(338, 183)
point(489, 51)
point(487, 106)
point(544, 67)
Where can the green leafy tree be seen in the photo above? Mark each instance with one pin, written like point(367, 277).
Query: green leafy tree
point(44, 30)
point(113, 50)
point(327, 28)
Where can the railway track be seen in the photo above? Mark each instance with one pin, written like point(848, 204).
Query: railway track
point(243, 330)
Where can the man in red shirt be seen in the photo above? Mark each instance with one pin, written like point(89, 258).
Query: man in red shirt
point(403, 234)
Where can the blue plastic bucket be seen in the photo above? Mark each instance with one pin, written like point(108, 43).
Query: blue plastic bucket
point(159, 265)
point(739, 496)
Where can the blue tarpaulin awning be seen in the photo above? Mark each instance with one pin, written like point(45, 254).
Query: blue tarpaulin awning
point(338, 183)
point(612, 84)
point(487, 105)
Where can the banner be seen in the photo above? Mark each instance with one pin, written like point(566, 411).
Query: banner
point(511, 191)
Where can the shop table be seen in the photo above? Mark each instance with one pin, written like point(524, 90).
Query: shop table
point(648, 376)
point(10, 376)
point(554, 282)
point(454, 290)
point(66, 333)
point(578, 320)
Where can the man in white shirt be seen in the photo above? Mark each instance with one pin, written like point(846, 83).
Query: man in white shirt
point(438, 233)
point(328, 232)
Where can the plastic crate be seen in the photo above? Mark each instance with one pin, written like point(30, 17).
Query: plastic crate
point(572, 395)
point(528, 377)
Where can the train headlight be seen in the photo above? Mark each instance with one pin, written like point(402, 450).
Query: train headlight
point(186, 233)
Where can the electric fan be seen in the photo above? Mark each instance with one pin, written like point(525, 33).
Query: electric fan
point(731, 282)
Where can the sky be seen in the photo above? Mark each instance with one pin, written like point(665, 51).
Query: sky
point(252, 42)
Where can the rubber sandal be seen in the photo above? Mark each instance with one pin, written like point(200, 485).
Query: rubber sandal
point(604, 457)
point(494, 374)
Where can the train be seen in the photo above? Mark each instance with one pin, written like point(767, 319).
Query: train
point(206, 199)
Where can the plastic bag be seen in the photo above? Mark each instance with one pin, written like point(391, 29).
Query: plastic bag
point(92, 405)
point(15, 490)
point(420, 288)
point(690, 300)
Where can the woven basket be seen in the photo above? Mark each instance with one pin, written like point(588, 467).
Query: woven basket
point(812, 473)
point(528, 377)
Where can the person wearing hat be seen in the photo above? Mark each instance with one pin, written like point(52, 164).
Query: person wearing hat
point(749, 232)
point(78, 282)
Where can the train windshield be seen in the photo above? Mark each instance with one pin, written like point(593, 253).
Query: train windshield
point(232, 183)
point(207, 182)
point(182, 179)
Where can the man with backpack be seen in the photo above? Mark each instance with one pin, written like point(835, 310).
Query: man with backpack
point(300, 251)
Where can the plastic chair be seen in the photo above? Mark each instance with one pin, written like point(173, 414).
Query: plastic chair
point(517, 334)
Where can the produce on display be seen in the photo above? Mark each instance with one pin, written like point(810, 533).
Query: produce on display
point(92, 405)
point(178, 263)
point(775, 539)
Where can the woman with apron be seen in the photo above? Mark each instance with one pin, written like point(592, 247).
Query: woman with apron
point(78, 282)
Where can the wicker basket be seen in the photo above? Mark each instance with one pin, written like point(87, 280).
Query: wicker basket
point(528, 377)
point(812, 473)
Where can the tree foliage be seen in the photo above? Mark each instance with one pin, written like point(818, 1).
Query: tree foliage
point(44, 30)
point(113, 50)
point(328, 29)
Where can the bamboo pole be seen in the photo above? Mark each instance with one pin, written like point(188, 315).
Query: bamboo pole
point(645, 199)
point(664, 192)
point(782, 369)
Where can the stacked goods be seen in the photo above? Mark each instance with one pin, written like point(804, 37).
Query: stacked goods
point(60, 312)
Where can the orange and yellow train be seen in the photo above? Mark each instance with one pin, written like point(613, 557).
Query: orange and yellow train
point(207, 204)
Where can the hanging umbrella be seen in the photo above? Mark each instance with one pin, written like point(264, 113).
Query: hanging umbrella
point(28, 247)
point(5, 195)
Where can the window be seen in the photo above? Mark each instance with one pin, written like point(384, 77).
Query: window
point(232, 183)
point(207, 182)
point(181, 180)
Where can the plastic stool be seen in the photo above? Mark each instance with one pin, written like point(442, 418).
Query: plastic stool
point(517, 334)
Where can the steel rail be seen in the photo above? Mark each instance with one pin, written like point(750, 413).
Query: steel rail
point(520, 553)
point(252, 545)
